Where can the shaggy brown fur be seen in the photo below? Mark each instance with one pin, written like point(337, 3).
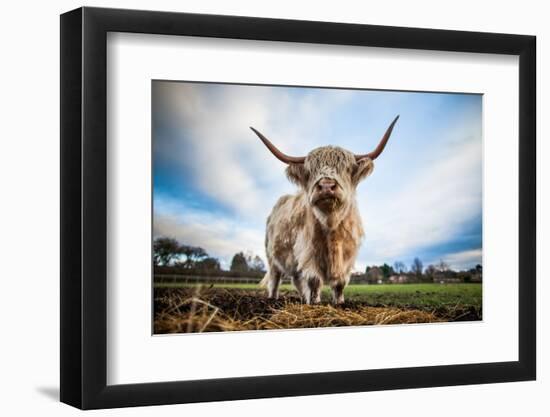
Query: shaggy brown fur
point(313, 236)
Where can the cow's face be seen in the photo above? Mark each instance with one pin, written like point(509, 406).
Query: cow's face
point(329, 177)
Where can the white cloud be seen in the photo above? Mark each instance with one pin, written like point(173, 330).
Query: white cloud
point(220, 237)
point(461, 260)
point(434, 204)
point(229, 163)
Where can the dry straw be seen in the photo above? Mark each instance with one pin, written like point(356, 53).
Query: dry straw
point(181, 312)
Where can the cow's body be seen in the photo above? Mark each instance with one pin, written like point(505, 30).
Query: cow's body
point(299, 246)
point(314, 235)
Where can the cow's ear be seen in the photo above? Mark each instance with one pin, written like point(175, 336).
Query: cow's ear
point(297, 174)
point(362, 169)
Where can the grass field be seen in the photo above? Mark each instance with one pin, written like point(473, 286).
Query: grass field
point(247, 303)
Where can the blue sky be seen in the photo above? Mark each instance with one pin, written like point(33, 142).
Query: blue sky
point(215, 183)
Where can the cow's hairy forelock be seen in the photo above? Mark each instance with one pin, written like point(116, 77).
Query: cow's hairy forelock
point(330, 162)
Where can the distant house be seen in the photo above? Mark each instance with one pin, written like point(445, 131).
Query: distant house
point(398, 279)
point(476, 277)
point(447, 280)
point(374, 275)
point(359, 278)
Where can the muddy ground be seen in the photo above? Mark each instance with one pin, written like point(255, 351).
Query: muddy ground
point(209, 309)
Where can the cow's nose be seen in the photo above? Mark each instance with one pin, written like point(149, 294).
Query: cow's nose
point(326, 185)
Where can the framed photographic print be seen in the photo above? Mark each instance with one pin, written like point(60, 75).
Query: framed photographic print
point(258, 207)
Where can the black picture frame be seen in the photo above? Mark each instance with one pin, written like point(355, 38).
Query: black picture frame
point(84, 207)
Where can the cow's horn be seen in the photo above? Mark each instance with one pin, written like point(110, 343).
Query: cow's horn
point(374, 154)
point(278, 154)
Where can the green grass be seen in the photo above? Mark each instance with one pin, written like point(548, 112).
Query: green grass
point(422, 296)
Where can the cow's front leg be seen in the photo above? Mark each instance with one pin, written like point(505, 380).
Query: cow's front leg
point(338, 291)
point(336, 271)
point(273, 282)
point(315, 284)
point(302, 287)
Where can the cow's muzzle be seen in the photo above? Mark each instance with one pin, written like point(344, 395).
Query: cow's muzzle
point(326, 187)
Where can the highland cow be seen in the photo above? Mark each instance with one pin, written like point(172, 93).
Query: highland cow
point(313, 236)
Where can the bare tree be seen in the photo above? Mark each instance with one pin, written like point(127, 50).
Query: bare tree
point(399, 267)
point(442, 266)
point(416, 267)
point(430, 271)
point(256, 264)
